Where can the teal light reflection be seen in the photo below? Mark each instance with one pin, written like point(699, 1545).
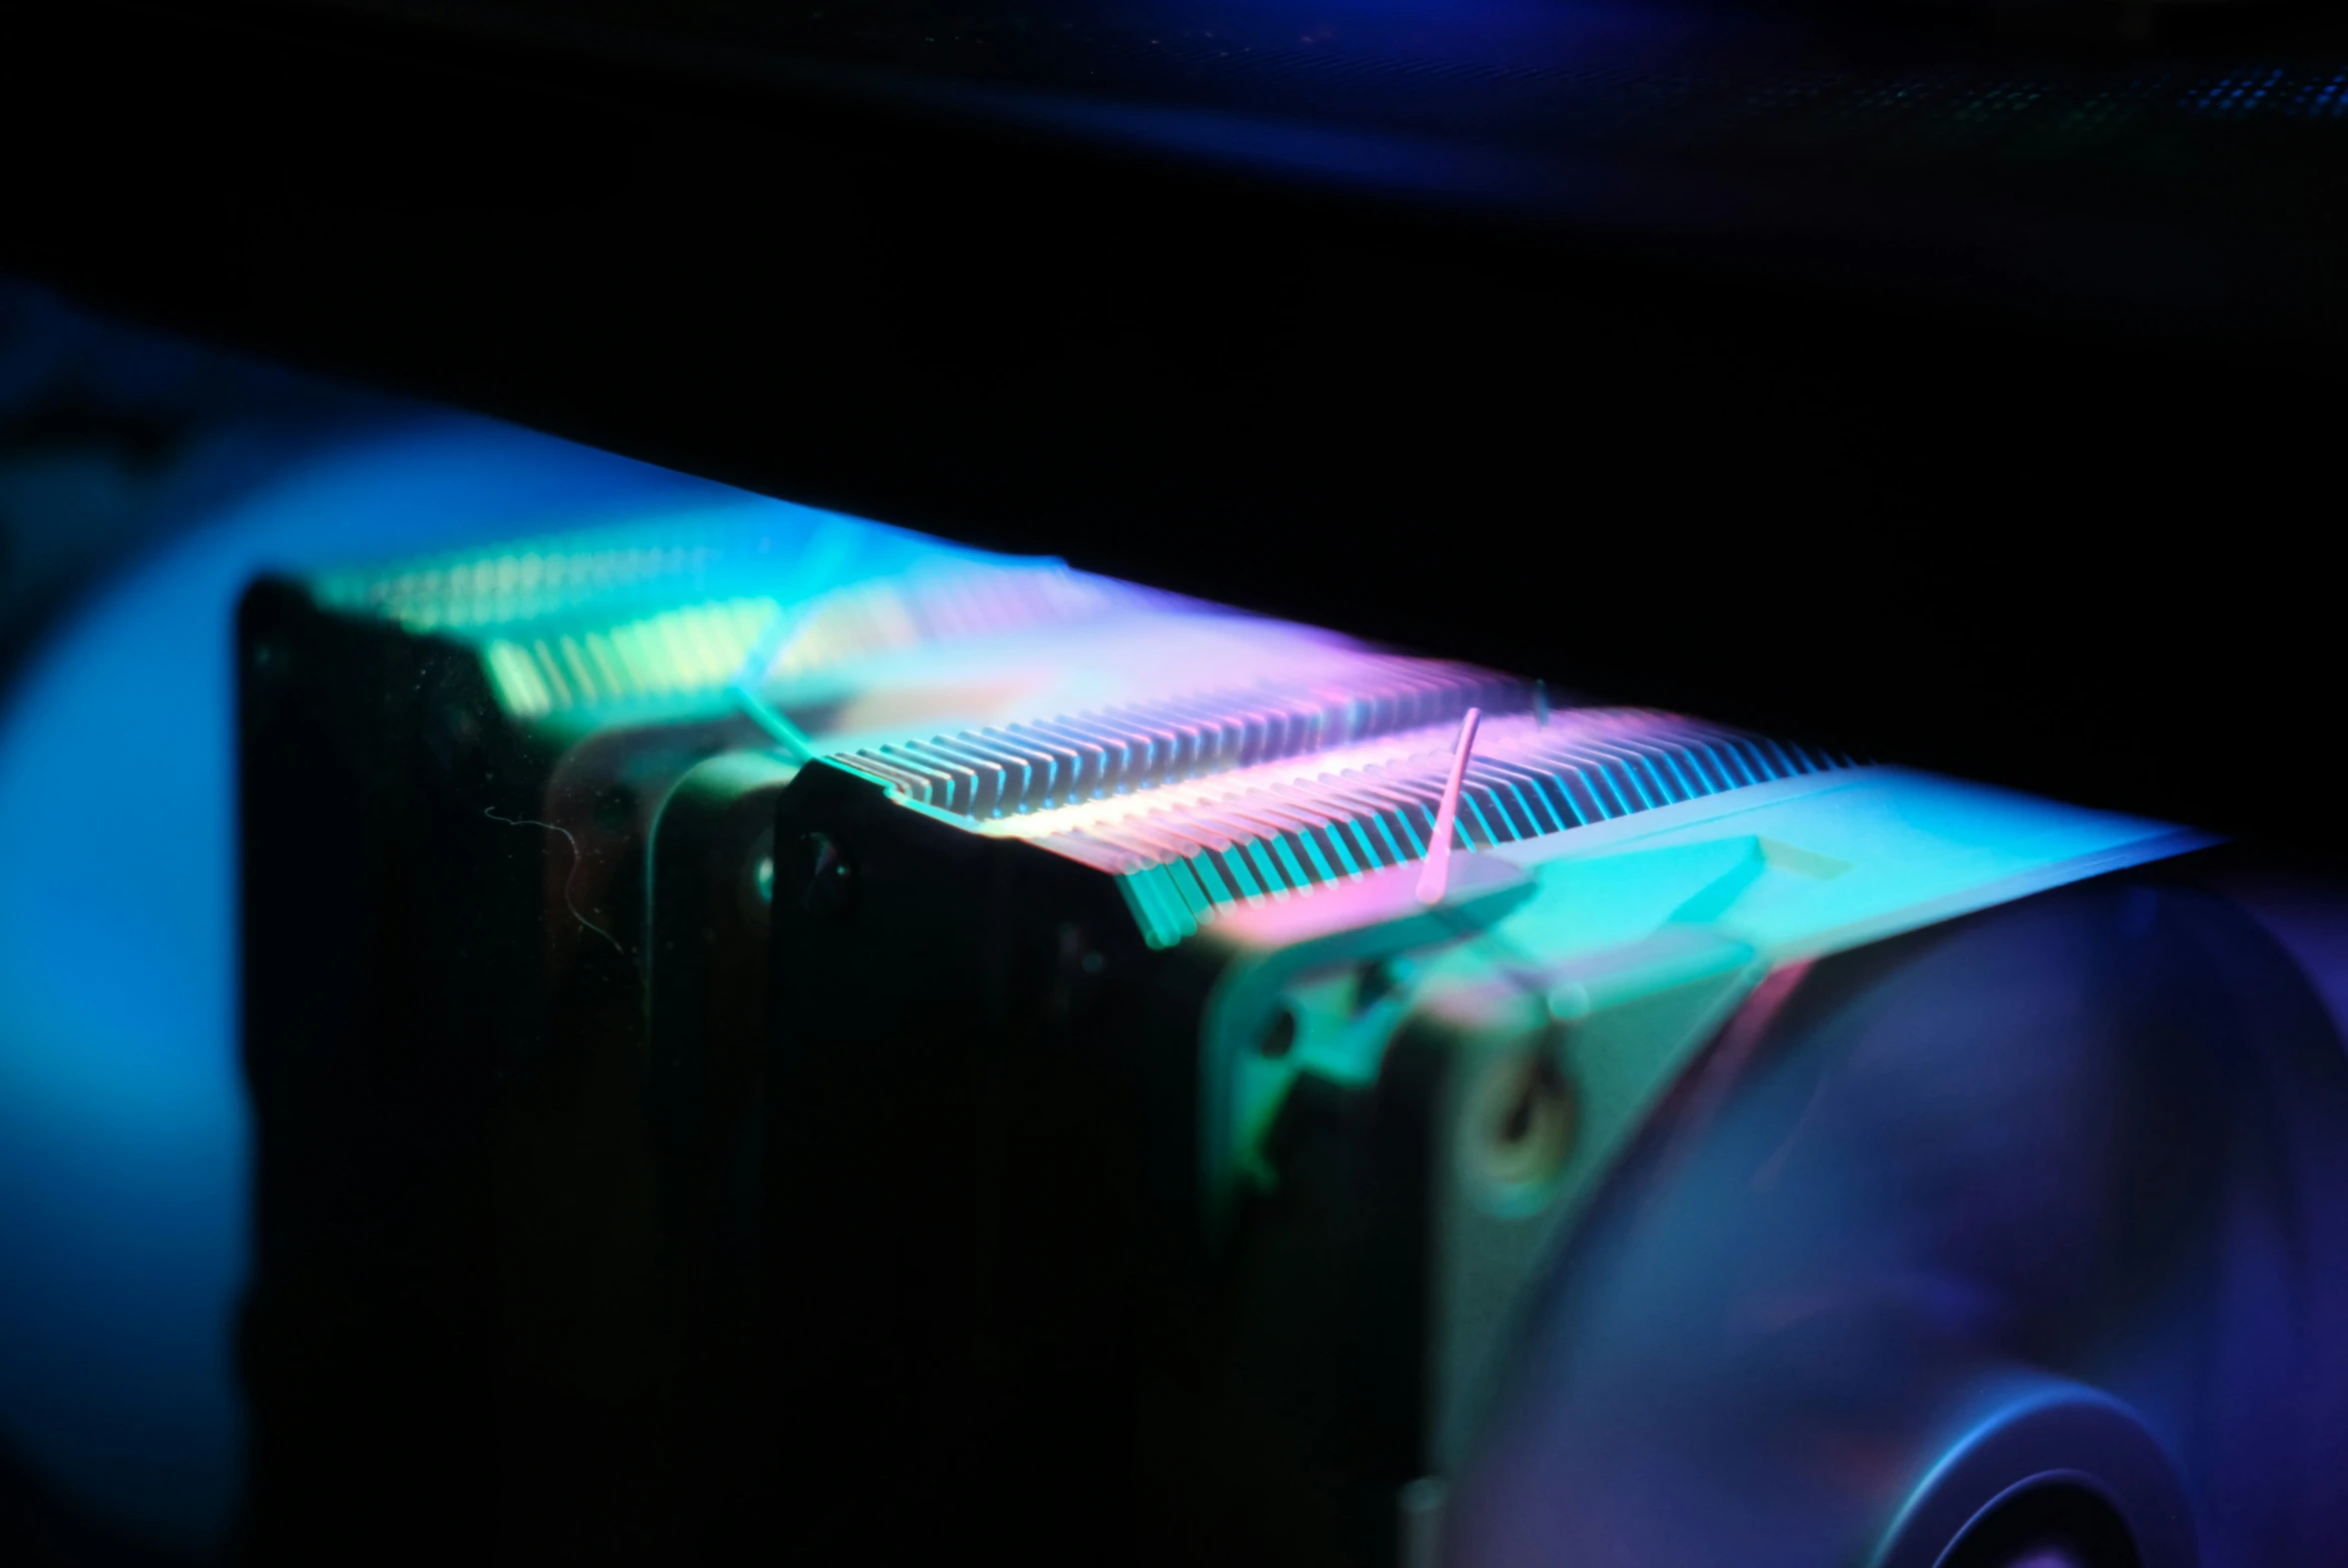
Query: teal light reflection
point(123, 1129)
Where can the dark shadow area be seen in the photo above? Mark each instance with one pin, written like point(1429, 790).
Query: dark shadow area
point(1950, 391)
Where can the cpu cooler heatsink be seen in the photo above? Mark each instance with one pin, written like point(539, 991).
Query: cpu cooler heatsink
point(839, 1044)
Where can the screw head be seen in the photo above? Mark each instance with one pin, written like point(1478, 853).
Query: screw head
point(829, 888)
point(1520, 1126)
point(755, 884)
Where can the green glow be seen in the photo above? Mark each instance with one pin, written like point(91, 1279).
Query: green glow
point(546, 577)
point(1158, 908)
point(667, 618)
point(677, 653)
point(515, 677)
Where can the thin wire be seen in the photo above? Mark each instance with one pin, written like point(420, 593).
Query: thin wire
point(828, 556)
point(491, 812)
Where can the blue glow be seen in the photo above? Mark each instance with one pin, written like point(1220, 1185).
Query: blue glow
point(123, 1128)
point(1502, 34)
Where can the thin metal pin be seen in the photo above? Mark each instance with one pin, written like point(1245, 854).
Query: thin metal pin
point(1435, 873)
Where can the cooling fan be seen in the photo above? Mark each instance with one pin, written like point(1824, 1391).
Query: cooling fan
point(2012, 1243)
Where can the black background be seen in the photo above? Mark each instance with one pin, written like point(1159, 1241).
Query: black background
point(2001, 530)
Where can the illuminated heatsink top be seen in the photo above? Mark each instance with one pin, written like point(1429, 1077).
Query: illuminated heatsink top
point(675, 611)
point(725, 551)
point(1040, 766)
point(532, 579)
point(1288, 826)
point(944, 602)
point(701, 649)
